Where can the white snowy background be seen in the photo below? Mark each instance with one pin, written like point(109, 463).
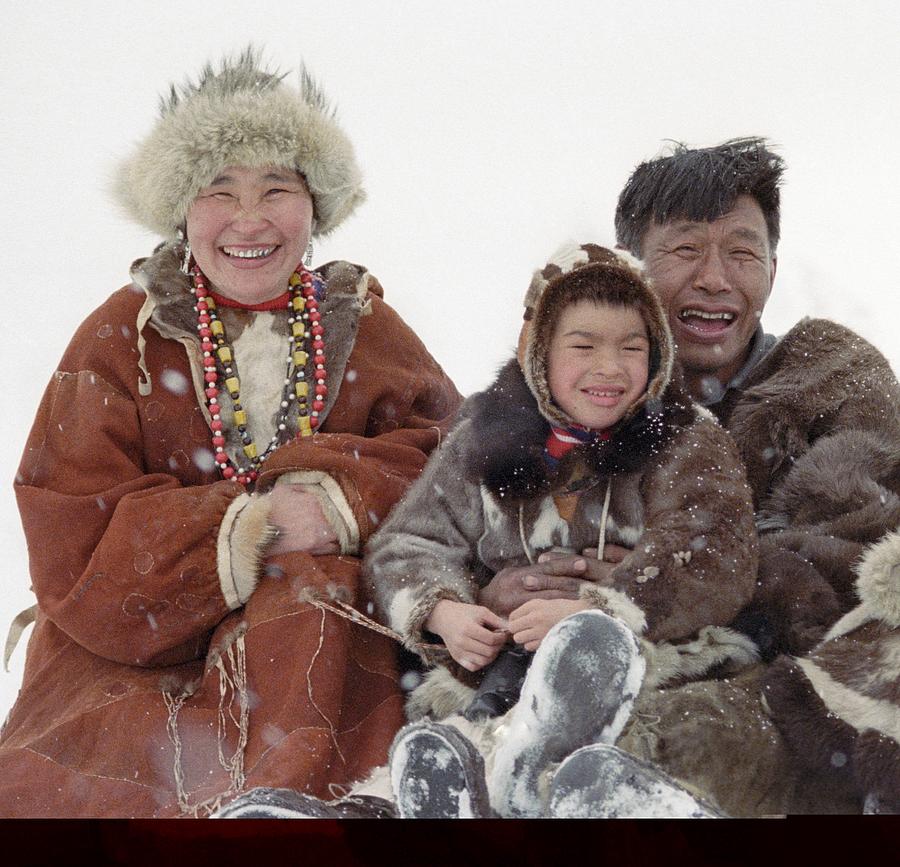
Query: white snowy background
point(489, 133)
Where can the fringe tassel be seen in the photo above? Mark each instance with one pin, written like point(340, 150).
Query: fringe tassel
point(231, 685)
point(348, 612)
point(173, 705)
point(309, 690)
point(237, 656)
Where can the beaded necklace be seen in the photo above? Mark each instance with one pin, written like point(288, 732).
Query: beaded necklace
point(303, 313)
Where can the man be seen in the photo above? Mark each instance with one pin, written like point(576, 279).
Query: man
point(815, 416)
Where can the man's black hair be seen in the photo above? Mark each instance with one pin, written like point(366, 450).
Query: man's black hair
point(700, 184)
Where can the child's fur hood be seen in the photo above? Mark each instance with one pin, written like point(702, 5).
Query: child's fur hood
point(588, 271)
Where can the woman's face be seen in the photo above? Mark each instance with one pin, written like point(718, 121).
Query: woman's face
point(249, 229)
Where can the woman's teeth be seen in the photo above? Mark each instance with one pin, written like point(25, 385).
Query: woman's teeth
point(252, 253)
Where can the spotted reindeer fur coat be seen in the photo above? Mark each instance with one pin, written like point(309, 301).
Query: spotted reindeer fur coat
point(486, 501)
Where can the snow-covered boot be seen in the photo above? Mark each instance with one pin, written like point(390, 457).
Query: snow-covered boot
point(266, 803)
point(437, 773)
point(579, 690)
point(603, 782)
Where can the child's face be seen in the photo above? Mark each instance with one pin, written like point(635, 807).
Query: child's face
point(598, 362)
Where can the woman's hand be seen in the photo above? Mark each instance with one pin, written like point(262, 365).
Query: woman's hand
point(472, 633)
point(532, 621)
point(301, 523)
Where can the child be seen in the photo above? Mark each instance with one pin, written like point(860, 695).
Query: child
point(586, 439)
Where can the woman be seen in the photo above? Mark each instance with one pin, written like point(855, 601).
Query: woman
point(218, 442)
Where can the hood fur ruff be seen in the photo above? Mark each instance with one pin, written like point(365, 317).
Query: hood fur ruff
point(576, 272)
point(243, 116)
point(508, 456)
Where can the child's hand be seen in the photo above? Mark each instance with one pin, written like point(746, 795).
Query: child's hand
point(473, 634)
point(532, 621)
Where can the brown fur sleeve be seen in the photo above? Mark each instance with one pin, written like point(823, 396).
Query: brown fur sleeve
point(695, 563)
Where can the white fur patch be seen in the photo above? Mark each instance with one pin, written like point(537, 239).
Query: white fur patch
point(568, 256)
point(493, 514)
point(261, 351)
point(438, 696)
point(879, 579)
point(852, 707)
point(704, 413)
point(617, 604)
point(850, 621)
point(547, 527)
point(377, 784)
point(628, 535)
point(230, 590)
point(713, 646)
point(630, 261)
point(401, 609)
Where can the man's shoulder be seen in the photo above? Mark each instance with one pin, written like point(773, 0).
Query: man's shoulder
point(824, 336)
point(816, 348)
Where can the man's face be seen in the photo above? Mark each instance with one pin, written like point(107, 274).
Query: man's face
point(714, 279)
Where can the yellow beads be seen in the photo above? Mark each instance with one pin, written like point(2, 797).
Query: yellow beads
point(299, 304)
point(300, 358)
point(301, 389)
point(224, 353)
point(217, 327)
point(305, 426)
point(250, 451)
point(294, 279)
point(233, 384)
point(297, 329)
point(240, 416)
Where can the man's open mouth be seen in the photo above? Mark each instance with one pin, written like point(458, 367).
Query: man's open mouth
point(705, 321)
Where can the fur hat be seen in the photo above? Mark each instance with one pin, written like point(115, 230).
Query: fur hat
point(245, 116)
point(576, 272)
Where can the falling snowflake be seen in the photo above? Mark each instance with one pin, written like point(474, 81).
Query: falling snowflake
point(174, 381)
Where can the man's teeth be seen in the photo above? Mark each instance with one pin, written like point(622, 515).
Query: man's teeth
point(253, 253)
point(702, 314)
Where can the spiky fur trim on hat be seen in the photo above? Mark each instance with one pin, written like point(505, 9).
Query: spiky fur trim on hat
point(616, 278)
point(242, 116)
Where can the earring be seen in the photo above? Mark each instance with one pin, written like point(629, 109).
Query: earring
point(307, 261)
point(181, 238)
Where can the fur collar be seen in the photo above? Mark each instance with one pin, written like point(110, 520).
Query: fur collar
point(507, 451)
point(169, 310)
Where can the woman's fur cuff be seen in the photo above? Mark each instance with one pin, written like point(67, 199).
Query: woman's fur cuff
point(244, 535)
